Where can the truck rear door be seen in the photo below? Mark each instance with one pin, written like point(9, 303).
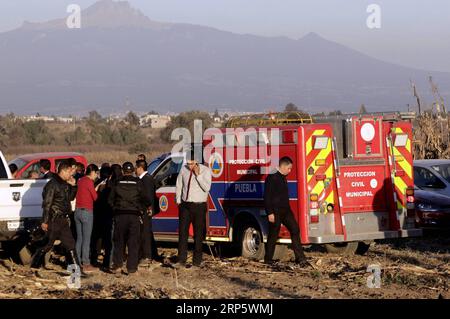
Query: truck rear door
point(365, 192)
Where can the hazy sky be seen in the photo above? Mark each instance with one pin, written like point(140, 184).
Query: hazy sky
point(413, 32)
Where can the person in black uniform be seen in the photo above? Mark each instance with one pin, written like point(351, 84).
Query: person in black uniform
point(148, 249)
point(129, 201)
point(276, 202)
point(57, 195)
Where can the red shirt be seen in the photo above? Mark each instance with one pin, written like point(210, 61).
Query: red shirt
point(86, 194)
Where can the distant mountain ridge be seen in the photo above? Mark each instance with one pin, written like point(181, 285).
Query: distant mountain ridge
point(120, 54)
point(104, 14)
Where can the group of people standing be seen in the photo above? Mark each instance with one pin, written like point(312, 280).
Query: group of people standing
point(115, 205)
point(113, 209)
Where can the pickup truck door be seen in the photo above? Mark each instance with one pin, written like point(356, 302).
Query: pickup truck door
point(20, 199)
point(166, 222)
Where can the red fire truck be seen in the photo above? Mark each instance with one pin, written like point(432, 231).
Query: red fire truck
point(352, 183)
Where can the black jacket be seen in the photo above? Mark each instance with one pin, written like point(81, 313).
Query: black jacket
point(150, 188)
point(276, 193)
point(48, 175)
point(128, 196)
point(57, 196)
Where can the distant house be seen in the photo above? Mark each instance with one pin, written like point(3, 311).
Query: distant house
point(64, 119)
point(32, 118)
point(154, 120)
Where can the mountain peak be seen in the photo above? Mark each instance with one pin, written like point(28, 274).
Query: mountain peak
point(105, 14)
point(311, 36)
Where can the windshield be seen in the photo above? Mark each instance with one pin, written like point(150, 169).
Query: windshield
point(425, 178)
point(154, 164)
point(443, 170)
point(19, 162)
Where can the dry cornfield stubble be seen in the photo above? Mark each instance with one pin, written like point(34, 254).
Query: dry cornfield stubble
point(412, 268)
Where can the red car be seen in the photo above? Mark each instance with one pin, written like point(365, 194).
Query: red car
point(30, 162)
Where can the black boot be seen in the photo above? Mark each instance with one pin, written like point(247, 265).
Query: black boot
point(38, 259)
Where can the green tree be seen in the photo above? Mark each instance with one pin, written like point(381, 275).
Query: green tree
point(186, 120)
point(36, 132)
point(362, 109)
point(76, 137)
point(132, 119)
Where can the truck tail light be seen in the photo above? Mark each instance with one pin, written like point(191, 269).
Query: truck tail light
point(410, 191)
point(320, 162)
point(314, 219)
point(410, 199)
point(400, 173)
point(321, 177)
point(313, 208)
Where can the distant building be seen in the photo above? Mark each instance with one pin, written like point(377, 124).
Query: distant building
point(154, 120)
point(65, 119)
point(32, 118)
point(58, 119)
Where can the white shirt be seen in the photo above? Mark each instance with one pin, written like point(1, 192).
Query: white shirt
point(199, 187)
point(142, 175)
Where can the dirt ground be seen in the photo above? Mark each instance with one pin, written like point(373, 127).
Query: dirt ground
point(413, 268)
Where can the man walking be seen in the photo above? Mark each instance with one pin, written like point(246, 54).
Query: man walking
point(276, 202)
point(192, 188)
point(57, 194)
point(148, 250)
point(129, 201)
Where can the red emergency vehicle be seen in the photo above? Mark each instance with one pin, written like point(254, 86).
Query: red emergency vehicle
point(352, 183)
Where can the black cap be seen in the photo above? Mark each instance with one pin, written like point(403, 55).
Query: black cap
point(128, 167)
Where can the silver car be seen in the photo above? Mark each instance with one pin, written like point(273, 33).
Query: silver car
point(433, 175)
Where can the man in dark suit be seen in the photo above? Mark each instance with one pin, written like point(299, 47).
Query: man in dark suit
point(278, 209)
point(44, 168)
point(148, 249)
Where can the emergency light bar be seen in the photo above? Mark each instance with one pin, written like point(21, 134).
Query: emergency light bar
point(320, 142)
point(400, 140)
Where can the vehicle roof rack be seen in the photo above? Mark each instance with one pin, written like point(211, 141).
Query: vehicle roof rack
point(270, 119)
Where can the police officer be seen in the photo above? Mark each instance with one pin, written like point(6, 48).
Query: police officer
point(278, 209)
point(57, 195)
point(129, 202)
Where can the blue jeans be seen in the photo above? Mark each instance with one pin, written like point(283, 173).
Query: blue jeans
point(84, 221)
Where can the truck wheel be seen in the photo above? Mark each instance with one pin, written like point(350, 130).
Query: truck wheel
point(363, 247)
point(251, 242)
point(252, 245)
point(342, 248)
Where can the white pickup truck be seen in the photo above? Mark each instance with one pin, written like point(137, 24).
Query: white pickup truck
point(20, 207)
